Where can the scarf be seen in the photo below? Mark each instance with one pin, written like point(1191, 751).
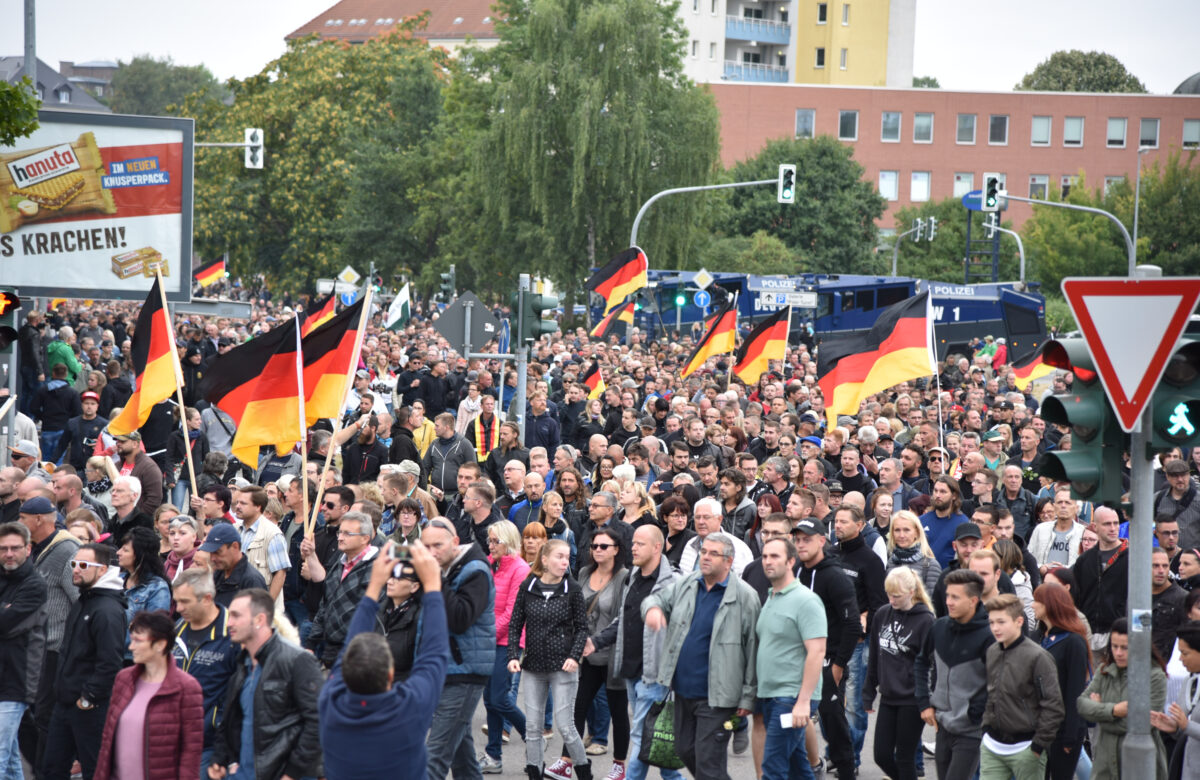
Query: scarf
point(100, 486)
point(905, 556)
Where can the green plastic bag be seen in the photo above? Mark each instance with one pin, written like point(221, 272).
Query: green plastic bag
point(658, 736)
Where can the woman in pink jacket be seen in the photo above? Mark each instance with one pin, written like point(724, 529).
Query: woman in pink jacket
point(509, 570)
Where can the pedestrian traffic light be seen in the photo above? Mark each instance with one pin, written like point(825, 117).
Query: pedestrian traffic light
point(9, 304)
point(448, 286)
point(990, 200)
point(254, 147)
point(787, 184)
point(1177, 400)
point(1095, 462)
point(533, 307)
point(932, 228)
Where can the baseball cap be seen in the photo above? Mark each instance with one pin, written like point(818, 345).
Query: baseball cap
point(992, 435)
point(945, 452)
point(810, 416)
point(362, 373)
point(647, 422)
point(220, 535)
point(967, 531)
point(89, 395)
point(845, 419)
point(814, 440)
point(25, 447)
point(1002, 405)
point(409, 467)
point(834, 486)
point(131, 436)
point(810, 527)
point(38, 505)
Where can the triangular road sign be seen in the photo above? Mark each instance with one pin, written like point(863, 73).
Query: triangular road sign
point(1131, 327)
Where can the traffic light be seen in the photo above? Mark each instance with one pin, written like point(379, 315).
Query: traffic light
point(989, 224)
point(377, 282)
point(1095, 461)
point(990, 199)
point(447, 288)
point(1177, 400)
point(918, 229)
point(680, 298)
point(254, 147)
point(787, 184)
point(932, 228)
point(9, 304)
point(531, 308)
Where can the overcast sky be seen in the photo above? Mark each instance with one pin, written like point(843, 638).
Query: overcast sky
point(236, 38)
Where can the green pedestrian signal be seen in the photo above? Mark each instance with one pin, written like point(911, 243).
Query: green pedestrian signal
point(1177, 399)
point(1180, 421)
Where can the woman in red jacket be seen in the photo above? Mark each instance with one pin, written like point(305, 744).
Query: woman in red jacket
point(499, 699)
point(155, 723)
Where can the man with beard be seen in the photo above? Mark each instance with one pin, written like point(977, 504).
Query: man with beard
point(79, 438)
point(737, 509)
point(527, 511)
point(767, 445)
point(361, 460)
point(483, 432)
point(943, 518)
point(698, 445)
point(509, 449)
point(23, 594)
point(135, 463)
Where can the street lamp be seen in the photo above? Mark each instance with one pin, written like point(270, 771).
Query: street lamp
point(1137, 196)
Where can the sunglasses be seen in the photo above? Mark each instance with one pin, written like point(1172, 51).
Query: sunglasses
point(602, 546)
point(329, 505)
point(86, 565)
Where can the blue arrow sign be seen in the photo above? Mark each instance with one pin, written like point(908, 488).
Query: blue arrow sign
point(702, 298)
point(349, 298)
point(973, 200)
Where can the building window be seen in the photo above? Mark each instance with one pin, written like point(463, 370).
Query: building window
point(963, 183)
point(820, 63)
point(713, 8)
point(1073, 131)
point(847, 125)
point(998, 130)
point(712, 50)
point(751, 57)
point(1148, 133)
point(890, 127)
point(1039, 186)
point(806, 121)
point(1067, 182)
point(822, 13)
point(1110, 182)
point(1116, 132)
point(842, 62)
point(889, 184)
point(919, 188)
point(695, 48)
point(1039, 134)
point(63, 95)
point(922, 128)
point(845, 14)
point(1191, 133)
point(966, 129)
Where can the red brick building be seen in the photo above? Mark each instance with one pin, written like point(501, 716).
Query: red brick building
point(929, 144)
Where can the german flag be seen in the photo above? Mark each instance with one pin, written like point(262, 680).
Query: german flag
point(897, 348)
point(720, 338)
point(210, 273)
point(1031, 368)
point(594, 380)
point(317, 314)
point(154, 362)
point(611, 324)
point(258, 385)
point(330, 352)
point(767, 342)
point(624, 275)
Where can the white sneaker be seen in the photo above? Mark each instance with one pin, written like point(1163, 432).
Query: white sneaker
point(489, 765)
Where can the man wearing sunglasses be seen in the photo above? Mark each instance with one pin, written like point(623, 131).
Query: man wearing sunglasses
point(92, 650)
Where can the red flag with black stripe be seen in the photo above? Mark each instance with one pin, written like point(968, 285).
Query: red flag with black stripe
point(767, 342)
point(210, 272)
point(155, 364)
point(1030, 368)
point(621, 277)
point(614, 322)
point(330, 352)
point(317, 314)
point(594, 380)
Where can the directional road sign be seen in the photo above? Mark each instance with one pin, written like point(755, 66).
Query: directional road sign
point(702, 298)
point(973, 200)
point(703, 279)
point(452, 323)
point(801, 300)
point(1131, 327)
point(348, 275)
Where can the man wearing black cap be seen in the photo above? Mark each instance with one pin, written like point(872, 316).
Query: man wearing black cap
point(967, 539)
point(232, 571)
point(829, 582)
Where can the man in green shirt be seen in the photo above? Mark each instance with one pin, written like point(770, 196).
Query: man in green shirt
point(791, 650)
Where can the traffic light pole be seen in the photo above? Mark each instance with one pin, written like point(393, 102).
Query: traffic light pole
point(896, 247)
point(1138, 753)
point(524, 287)
point(1020, 246)
point(645, 206)
point(1129, 247)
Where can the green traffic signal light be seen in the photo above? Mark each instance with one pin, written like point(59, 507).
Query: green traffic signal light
point(1177, 400)
point(680, 298)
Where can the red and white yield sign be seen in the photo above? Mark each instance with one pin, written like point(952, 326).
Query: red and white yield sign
point(1131, 327)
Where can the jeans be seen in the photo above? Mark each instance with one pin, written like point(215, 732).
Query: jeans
point(641, 696)
point(701, 739)
point(449, 744)
point(297, 612)
point(49, 442)
point(29, 387)
point(957, 757)
point(599, 718)
point(1021, 766)
point(11, 713)
point(181, 491)
point(501, 704)
point(784, 756)
point(898, 740)
point(205, 760)
point(565, 685)
point(74, 733)
point(856, 716)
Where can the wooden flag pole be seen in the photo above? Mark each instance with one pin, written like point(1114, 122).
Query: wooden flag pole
point(310, 522)
point(303, 422)
point(178, 382)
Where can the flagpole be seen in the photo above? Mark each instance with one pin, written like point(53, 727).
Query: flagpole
point(937, 374)
point(178, 382)
point(310, 522)
point(729, 374)
point(303, 422)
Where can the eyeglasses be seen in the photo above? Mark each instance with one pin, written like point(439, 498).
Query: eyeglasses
point(330, 505)
point(601, 546)
point(86, 565)
point(350, 533)
point(493, 541)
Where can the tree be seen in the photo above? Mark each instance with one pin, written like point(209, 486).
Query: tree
point(590, 115)
point(1061, 243)
point(148, 86)
point(18, 111)
point(316, 104)
point(1077, 71)
point(942, 259)
point(928, 82)
point(762, 252)
point(831, 226)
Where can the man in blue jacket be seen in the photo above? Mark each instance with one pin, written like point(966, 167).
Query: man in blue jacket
point(368, 728)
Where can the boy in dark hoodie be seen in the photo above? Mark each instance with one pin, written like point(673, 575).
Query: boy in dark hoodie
point(370, 729)
point(956, 647)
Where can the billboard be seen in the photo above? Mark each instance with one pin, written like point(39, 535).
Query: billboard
point(91, 204)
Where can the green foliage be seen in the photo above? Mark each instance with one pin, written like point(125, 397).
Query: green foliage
point(1078, 71)
point(1169, 214)
point(831, 227)
point(18, 111)
point(763, 252)
point(942, 258)
point(928, 82)
point(1058, 314)
point(316, 104)
point(1061, 243)
point(152, 87)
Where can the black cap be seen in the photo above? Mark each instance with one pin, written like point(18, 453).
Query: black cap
point(967, 531)
point(810, 527)
point(834, 486)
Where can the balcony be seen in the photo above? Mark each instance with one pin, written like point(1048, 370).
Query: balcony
point(753, 71)
point(741, 28)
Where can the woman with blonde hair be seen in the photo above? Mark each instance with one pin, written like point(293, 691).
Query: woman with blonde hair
point(499, 699)
point(637, 506)
point(907, 546)
point(897, 633)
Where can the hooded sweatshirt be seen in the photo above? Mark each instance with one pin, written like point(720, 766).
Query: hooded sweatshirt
point(93, 645)
point(828, 580)
point(897, 636)
point(957, 652)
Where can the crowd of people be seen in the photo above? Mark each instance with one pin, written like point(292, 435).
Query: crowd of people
point(777, 576)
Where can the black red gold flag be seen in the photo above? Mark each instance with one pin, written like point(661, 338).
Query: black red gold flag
point(621, 277)
point(719, 339)
point(155, 364)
